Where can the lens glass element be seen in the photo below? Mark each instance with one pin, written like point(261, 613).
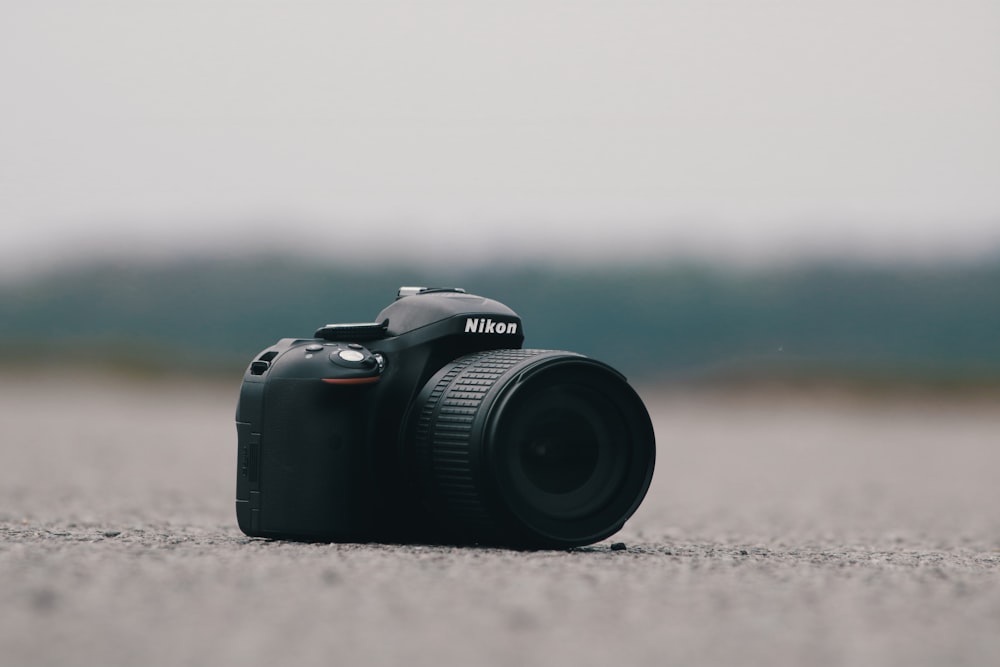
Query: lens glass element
point(560, 446)
point(558, 453)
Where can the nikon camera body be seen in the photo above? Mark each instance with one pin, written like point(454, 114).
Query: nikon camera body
point(431, 424)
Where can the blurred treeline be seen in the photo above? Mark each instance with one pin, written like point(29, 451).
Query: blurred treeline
point(933, 324)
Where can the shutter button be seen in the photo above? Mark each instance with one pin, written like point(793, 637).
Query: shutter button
point(351, 355)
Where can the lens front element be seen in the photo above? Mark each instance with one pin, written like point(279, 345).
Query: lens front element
point(557, 447)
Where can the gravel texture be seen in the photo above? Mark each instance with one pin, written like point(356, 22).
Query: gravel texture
point(781, 529)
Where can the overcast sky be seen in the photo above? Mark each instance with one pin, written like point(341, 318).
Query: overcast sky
point(729, 129)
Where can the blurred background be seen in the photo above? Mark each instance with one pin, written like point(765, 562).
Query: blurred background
point(690, 191)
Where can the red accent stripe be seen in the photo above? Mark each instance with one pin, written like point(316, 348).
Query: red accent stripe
point(368, 380)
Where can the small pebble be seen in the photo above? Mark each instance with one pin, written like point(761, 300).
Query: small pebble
point(744, 552)
point(618, 546)
point(112, 533)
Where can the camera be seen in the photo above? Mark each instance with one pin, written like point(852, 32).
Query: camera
point(432, 424)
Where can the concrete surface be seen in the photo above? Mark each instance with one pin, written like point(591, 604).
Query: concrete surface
point(781, 529)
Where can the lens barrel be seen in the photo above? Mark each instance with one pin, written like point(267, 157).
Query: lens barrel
point(530, 448)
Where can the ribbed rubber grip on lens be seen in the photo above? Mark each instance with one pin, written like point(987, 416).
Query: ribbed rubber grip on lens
point(444, 433)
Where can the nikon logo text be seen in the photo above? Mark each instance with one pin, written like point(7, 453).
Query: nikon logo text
point(486, 326)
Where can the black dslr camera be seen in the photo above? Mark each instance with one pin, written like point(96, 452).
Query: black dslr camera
point(431, 424)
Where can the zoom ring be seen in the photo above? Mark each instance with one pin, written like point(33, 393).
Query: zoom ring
point(444, 433)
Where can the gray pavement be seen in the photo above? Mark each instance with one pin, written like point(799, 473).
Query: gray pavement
point(781, 529)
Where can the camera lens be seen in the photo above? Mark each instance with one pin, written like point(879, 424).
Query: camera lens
point(531, 448)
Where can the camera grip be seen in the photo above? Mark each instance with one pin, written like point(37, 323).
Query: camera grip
point(312, 461)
